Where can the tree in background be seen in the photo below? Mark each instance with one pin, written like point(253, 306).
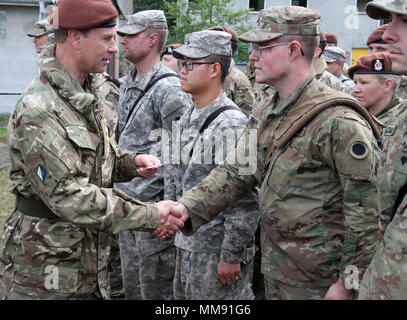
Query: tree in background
point(140, 5)
point(196, 15)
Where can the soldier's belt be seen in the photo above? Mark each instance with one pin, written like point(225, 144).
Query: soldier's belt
point(33, 208)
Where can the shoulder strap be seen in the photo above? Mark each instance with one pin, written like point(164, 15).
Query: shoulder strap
point(214, 115)
point(150, 84)
point(300, 117)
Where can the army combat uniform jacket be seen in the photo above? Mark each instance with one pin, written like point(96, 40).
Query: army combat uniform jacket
point(317, 198)
point(386, 276)
point(64, 160)
point(326, 77)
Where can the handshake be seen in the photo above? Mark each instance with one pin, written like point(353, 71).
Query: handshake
point(171, 217)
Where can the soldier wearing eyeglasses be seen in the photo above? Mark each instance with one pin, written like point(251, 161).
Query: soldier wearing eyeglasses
point(316, 157)
point(217, 261)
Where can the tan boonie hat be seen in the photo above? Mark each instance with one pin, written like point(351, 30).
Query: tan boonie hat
point(41, 28)
point(148, 19)
point(277, 21)
point(204, 43)
point(333, 54)
point(380, 10)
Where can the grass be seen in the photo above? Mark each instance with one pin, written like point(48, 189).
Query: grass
point(3, 136)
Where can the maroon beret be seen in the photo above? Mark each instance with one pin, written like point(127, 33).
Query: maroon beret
point(377, 34)
point(375, 63)
point(331, 38)
point(83, 15)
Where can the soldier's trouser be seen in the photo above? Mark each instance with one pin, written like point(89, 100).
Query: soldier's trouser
point(277, 290)
point(196, 278)
point(148, 265)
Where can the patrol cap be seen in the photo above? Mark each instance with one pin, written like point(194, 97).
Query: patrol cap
point(382, 10)
point(83, 15)
point(377, 34)
point(333, 54)
point(378, 63)
point(41, 28)
point(140, 21)
point(204, 43)
point(277, 21)
point(233, 33)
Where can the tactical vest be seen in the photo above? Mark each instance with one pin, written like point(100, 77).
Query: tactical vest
point(305, 110)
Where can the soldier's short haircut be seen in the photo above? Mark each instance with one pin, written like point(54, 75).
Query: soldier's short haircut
point(62, 34)
point(162, 37)
point(224, 62)
point(309, 44)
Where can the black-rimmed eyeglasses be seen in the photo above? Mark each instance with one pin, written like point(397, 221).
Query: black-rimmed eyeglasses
point(189, 65)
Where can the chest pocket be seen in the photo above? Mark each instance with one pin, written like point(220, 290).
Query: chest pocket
point(86, 143)
point(284, 170)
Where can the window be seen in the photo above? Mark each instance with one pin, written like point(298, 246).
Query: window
point(300, 3)
point(361, 5)
point(256, 5)
point(3, 26)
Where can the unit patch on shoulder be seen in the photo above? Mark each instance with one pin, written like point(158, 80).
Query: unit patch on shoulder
point(41, 173)
point(359, 150)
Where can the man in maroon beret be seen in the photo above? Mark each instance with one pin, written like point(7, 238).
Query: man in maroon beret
point(375, 43)
point(64, 162)
point(331, 39)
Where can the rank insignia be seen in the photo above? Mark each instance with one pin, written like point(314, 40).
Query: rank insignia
point(389, 130)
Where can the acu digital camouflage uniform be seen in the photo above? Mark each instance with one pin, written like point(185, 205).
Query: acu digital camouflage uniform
point(64, 157)
point(230, 236)
point(317, 198)
point(238, 89)
point(148, 263)
point(326, 77)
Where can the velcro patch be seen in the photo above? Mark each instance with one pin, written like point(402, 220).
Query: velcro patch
point(359, 150)
point(389, 130)
point(41, 173)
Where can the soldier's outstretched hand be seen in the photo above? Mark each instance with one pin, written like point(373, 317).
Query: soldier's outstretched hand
point(147, 165)
point(172, 216)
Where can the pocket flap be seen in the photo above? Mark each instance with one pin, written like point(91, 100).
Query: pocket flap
point(82, 137)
